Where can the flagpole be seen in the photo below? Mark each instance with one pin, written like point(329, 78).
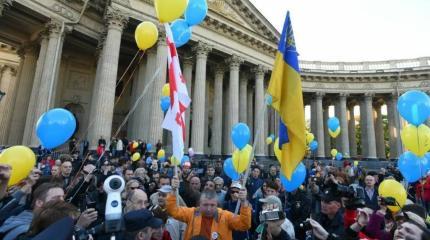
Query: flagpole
point(256, 137)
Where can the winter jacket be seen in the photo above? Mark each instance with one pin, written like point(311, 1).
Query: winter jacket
point(16, 225)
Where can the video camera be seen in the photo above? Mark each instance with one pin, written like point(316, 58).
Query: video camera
point(354, 193)
point(113, 186)
point(271, 215)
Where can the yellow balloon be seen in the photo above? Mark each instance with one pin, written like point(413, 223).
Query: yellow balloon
point(355, 163)
point(309, 137)
point(333, 152)
point(269, 140)
point(21, 159)
point(392, 188)
point(146, 35)
point(161, 154)
point(174, 161)
point(166, 90)
point(169, 10)
point(241, 158)
point(135, 144)
point(416, 139)
point(135, 156)
point(335, 133)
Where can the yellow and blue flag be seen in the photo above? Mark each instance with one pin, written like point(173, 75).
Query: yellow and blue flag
point(285, 87)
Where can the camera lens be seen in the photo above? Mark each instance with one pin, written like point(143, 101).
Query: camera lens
point(115, 183)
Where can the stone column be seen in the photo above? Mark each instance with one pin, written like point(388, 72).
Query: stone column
point(217, 111)
point(370, 128)
point(106, 79)
point(363, 135)
point(155, 131)
point(30, 120)
point(151, 68)
point(250, 110)
point(258, 106)
point(187, 64)
point(379, 132)
point(243, 95)
point(26, 76)
point(8, 85)
point(313, 128)
point(351, 131)
point(327, 138)
point(138, 124)
point(319, 133)
point(198, 118)
point(344, 136)
point(233, 95)
point(50, 63)
point(393, 127)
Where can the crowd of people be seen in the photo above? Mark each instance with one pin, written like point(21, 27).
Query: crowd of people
point(64, 198)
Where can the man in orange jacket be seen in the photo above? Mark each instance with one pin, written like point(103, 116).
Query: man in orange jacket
point(207, 220)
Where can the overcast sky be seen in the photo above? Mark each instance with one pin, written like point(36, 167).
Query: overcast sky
point(354, 30)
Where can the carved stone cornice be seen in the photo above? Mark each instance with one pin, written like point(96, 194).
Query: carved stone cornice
point(234, 62)
point(115, 18)
point(202, 49)
point(125, 3)
point(4, 4)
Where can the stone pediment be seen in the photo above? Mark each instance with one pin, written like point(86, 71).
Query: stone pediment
point(244, 13)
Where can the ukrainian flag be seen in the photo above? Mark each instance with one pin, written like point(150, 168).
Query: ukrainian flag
point(285, 87)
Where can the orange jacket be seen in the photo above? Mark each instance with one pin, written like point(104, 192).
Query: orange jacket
point(224, 221)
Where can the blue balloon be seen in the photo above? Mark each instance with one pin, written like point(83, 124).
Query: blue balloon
point(268, 100)
point(272, 136)
point(55, 127)
point(148, 147)
point(240, 135)
point(297, 178)
point(185, 158)
point(181, 32)
point(313, 145)
point(425, 163)
point(414, 106)
point(196, 12)
point(229, 170)
point(409, 165)
point(339, 156)
point(333, 123)
point(165, 103)
point(148, 160)
point(162, 159)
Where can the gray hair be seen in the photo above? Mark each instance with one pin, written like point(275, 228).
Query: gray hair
point(208, 194)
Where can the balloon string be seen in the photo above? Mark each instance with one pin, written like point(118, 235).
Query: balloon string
point(123, 122)
point(128, 67)
point(259, 131)
point(129, 79)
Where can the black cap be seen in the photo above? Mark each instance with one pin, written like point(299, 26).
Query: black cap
point(139, 219)
point(60, 230)
point(329, 195)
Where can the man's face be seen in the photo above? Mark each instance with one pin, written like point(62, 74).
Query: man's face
point(128, 174)
point(219, 185)
point(156, 177)
point(271, 192)
point(273, 170)
point(164, 182)
point(139, 199)
point(54, 194)
point(162, 199)
point(208, 206)
point(256, 173)
point(157, 233)
point(66, 168)
point(195, 184)
point(408, 231)
point(370, 181)
point(209, 185)
point(55, 170)
point(210, 171)
point(330, 208)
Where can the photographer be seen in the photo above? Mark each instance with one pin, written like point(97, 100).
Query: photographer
point(329, 224)
point(274, 225)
